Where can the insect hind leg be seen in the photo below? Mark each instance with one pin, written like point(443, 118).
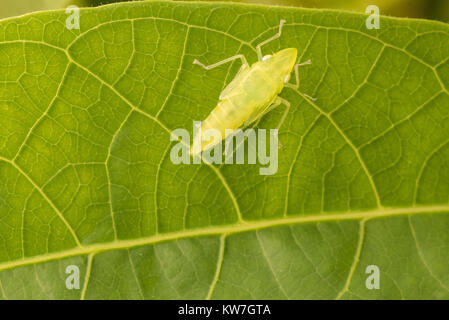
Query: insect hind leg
point(285, 102)
point(219, 63)
point(277, 35)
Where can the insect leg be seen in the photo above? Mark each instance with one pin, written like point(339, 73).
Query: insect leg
point(260, 113)
point(280, 100)
point(296, 85)
point(238, 56)
point(277, 35)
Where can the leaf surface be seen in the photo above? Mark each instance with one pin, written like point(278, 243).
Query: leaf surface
point(86, 177)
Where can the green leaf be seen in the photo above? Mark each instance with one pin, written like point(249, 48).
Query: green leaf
point(86, 178)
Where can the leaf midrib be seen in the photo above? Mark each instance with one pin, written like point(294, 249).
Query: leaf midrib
point(227, 230)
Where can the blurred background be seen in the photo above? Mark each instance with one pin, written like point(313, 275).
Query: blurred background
point(428, 9)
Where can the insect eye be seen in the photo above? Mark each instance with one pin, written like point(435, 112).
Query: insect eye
point(265, 58)
point(287, 78)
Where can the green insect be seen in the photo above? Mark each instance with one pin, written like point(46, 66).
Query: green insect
point(252, 93)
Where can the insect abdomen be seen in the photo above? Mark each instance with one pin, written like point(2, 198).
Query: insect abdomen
point(226, 115)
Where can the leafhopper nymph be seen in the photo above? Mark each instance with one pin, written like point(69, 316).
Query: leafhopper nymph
point(251, 94)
